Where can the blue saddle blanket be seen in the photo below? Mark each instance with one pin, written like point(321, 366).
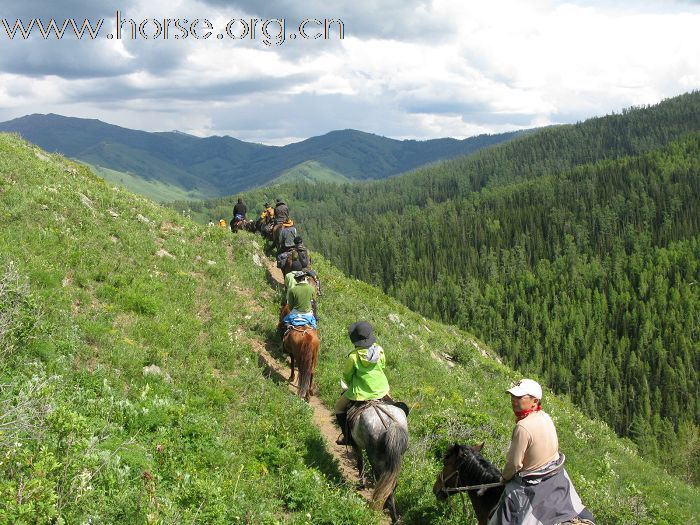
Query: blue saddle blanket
point(299, 319)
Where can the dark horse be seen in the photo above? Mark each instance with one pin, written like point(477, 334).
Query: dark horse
point(464, 465)
point(276, 230)
point(302, 344)
point(240, 224)
point(381, 430)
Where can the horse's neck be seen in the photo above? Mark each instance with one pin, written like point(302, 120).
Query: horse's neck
point(483, 504)
point(486, 477)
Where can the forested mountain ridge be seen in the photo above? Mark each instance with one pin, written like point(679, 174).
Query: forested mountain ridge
point(165, 163)
point(131, 391)
point(578, 264)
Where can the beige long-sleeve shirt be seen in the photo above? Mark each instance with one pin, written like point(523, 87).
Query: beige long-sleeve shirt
point(534, 443)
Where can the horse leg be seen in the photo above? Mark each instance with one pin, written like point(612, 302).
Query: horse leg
point(291, 365)
point(391, 505)
point(311, 388)
point(360, 465)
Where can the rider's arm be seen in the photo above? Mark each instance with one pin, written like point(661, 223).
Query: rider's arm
point(519, 443)
point(293, 298)
point(349, 370)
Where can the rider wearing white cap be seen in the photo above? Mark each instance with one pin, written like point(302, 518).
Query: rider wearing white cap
point(538, 488)
point(534, 442)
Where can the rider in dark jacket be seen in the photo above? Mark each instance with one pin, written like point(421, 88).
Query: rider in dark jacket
point(299, 255)
point(281, 212)
point(239, 210)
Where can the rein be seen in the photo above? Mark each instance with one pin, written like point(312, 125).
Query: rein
point(474, 487)
point(467, 488)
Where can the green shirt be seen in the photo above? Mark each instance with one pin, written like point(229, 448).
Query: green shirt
point(365, 380)
point(299, 297)
point(290, 282)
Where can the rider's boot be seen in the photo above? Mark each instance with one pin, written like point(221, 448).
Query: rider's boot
point(342, 423)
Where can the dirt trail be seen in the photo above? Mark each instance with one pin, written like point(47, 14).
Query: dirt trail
point(323, 418)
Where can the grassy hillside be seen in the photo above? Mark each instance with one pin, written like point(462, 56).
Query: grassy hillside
point(153, 189)
point(103, 283)
point(308, 172)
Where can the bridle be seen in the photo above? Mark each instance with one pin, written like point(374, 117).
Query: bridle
point(444, 479)
point(461, 490)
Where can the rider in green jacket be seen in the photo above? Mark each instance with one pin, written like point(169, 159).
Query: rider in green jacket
point(363, 373)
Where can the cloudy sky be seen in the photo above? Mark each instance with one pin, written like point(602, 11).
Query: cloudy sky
point(406, 69)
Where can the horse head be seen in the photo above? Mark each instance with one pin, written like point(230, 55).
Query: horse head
point(464, 466)
point(453, 470)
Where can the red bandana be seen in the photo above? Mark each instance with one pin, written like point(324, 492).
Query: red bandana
point(524, 413)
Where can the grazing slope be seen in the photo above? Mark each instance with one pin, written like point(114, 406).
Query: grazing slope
point(134, 394)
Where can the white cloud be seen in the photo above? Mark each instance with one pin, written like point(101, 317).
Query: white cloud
point(407, 70)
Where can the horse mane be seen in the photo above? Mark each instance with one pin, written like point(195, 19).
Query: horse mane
point(475, 468)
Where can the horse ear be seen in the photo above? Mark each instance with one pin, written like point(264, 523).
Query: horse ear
point(478, 447)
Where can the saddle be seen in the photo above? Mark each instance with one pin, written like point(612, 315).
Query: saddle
point(288, 328)
point(357, 408)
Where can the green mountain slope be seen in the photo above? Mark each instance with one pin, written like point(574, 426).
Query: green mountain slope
point(100, 285)
point(310, 172)
point(153, 189)
point(580, 271)
point(222, 165)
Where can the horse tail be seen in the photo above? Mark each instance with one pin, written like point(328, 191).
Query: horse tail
point(307, 359)
point(394, 444)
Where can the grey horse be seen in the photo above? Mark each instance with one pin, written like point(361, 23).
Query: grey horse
point(382, 431)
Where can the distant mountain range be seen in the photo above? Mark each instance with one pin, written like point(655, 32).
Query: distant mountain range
point(170, 165)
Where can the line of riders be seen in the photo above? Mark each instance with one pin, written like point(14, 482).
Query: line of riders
point(533, 488)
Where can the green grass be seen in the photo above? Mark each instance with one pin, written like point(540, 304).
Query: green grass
point(309, 171)
point(215, 440)
point(153, 189)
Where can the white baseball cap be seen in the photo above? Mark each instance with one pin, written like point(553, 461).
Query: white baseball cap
point(526, 387)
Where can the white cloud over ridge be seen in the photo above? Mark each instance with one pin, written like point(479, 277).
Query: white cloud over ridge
point(420, 69)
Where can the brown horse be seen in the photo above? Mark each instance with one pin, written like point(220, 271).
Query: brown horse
point(240, 224)
point(302, 344)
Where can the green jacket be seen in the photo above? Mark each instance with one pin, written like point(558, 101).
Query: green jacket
point(365, 380)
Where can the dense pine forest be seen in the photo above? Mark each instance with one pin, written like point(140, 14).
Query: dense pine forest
point(574, 251)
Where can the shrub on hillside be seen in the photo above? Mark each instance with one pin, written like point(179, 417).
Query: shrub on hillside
point(18, 313)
